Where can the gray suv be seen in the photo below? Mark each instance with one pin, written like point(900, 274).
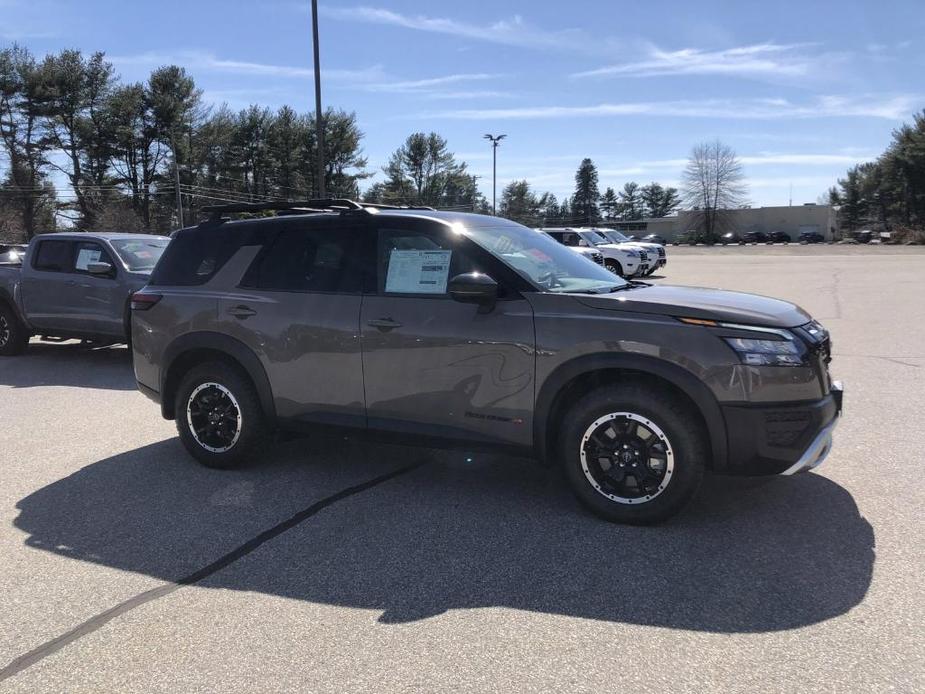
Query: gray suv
point(463, 330)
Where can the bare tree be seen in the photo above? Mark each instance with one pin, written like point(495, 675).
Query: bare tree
point(712, 183)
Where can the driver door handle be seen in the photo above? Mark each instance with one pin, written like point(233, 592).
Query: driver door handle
point(384, 323)
point(241, 311)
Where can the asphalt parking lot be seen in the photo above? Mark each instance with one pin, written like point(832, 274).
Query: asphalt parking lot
point(338, 567)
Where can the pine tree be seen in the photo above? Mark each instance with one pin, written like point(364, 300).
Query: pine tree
point(587, 194)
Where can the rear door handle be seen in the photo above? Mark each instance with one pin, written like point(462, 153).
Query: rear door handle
point(242, 311)
point(384, 323)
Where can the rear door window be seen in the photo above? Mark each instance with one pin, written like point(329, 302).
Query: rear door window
point(310, 260)
point(54, 256)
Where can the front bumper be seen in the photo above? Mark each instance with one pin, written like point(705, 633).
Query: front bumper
point(781, 438)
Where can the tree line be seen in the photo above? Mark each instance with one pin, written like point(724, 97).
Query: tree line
point(125, 156)
point(889, 192)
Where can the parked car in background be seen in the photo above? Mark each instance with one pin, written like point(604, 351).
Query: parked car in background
point(779, 237)
point(692, 237)
point(730, 238)
point(590, 253)
point(652, 238)
point(656, 252)
point(472, 330)
point(755, 237)
point(75, 285)
point(12, 253)
point(811, 237)
point(621, 260)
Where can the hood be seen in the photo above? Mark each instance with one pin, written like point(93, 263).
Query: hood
point(698, 302)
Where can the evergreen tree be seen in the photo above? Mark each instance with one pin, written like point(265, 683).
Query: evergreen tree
point(610, 205)
point(658, 201)
point(630, 202)
point(584, 201)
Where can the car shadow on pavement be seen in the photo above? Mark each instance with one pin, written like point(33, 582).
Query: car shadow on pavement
point(749, 555)
point(69, 364)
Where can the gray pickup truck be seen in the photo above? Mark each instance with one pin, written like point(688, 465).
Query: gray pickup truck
point(74, 285)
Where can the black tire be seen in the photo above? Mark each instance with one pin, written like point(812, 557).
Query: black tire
point(14, 337)
point(614, 266)
point(250, 423)
point(664, 412)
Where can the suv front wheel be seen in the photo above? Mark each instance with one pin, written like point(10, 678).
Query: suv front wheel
point(632, 453)
point(218, 415)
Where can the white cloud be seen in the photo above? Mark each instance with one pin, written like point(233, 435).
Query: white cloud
point(208, 62)
point(758, 60)
point(866, 106)
point(513, 32)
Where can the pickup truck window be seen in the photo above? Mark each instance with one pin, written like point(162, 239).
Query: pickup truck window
point(89, 252)
point(54, 256)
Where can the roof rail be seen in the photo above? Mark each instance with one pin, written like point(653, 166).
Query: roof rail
point(342, 205)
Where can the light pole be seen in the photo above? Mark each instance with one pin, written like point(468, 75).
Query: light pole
point(319, 129)
point(495, 141)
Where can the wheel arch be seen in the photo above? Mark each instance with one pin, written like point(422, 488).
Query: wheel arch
point(191, 349)
point(580, 375)
point(7, 299)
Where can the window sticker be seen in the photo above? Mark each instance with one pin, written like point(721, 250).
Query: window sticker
point(86, 256)
point(418, 272)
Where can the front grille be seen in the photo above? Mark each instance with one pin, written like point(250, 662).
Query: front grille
point(643, 256)
point(661, 252)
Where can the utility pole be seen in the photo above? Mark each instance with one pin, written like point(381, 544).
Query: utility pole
point(319, 128)
point(495, 141)
point(176, 171)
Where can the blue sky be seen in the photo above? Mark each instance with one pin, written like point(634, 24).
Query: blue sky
point(802, 90)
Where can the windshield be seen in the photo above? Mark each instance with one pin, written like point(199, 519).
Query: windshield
point(615, 236)
point(543, 261)
point(140, 254)
point(593, 237)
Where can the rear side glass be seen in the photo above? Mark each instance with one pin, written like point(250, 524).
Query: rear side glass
point(195, 255)
point(310, 260)
point(53, 256)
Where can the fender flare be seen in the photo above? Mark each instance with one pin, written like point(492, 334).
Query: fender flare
point(227, 345)
point(679, 377)
point(9, 300)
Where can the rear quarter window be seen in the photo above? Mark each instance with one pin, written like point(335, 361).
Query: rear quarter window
point(195, 255)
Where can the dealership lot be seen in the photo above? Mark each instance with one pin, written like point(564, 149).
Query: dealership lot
point(475, 572)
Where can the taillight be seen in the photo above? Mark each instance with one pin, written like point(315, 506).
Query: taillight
point(142, 301)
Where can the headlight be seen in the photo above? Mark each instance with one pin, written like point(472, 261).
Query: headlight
point(767, 352)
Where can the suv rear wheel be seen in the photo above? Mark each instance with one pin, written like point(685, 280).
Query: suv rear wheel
point(632, 453)
point(218, 415)
point(13, 335)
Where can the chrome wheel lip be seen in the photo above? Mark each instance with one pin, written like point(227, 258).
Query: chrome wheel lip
point(239, 420)
point(655, 429)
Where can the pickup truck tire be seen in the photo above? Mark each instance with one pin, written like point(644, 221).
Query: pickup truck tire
point(614, 266)
point(218, 415)
point(633, 453)
point(14, 337)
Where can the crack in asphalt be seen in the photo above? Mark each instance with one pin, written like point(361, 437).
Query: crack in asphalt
point(98, 621)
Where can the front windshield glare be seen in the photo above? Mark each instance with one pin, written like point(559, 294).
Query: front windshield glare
point(543, 261)
point(140, 254)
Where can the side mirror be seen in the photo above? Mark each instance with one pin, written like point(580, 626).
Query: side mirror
point(474, 288)
point(100, 269)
